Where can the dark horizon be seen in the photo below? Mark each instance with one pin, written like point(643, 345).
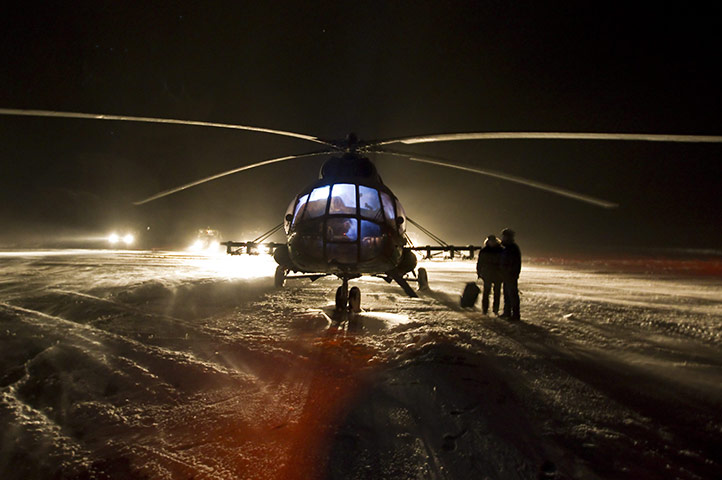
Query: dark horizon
point(380, 70)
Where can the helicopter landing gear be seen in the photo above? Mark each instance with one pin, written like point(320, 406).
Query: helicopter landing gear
point(423, 279)
point(342, 296)
point(348, 300)
point(403, 283)
point(354, 300)
point(279, 279)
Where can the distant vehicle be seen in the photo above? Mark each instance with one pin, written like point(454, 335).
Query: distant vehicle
point(206, 239)
point(349, 223)
point(119, 239)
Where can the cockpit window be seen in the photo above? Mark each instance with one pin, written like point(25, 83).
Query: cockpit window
point(371, 240)
point(301, 202)
point(343, 199)
point(317, 202)
point(369, 202)
point(388, 208)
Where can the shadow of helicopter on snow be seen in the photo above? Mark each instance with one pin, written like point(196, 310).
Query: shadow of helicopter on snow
point(341, 322)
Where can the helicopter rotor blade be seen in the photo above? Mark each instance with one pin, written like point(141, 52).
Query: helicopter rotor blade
point(634, 137)
point(186, 186)
point(503, 176)
point(126, 118)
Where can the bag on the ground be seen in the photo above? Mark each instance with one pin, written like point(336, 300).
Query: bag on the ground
point(471, 293)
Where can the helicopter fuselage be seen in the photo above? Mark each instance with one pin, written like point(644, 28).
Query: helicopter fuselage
point(347, 223)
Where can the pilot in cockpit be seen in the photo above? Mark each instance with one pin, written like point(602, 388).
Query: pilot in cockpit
point(369, 204)
point(337, 205)
point(340, 230)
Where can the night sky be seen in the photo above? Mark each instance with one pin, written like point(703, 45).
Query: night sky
point(380, 69)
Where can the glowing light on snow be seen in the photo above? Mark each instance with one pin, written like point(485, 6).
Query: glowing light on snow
point(448, 265)
point(113, 238)
point(235, 266)
point(204, 248)
point(197, 246)
point(49, 253)
point(128, 239)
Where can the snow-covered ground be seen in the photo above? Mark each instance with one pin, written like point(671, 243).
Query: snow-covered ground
point(161, 365)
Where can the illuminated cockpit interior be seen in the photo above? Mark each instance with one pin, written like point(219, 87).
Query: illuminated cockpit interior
point(343, 222)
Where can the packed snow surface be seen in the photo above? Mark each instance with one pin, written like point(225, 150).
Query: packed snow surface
point(173, 366)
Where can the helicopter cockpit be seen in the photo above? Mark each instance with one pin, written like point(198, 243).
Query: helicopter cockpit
point(344, 224)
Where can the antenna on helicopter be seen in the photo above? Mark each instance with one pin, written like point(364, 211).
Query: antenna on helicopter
point(351, 142)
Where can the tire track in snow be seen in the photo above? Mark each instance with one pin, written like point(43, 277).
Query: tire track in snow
point(95, 337)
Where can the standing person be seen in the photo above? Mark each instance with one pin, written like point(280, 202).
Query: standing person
point(510, 269)
point(488, 268)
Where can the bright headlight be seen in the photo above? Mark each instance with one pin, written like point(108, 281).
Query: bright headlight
point(128, 239)
point(113, 238)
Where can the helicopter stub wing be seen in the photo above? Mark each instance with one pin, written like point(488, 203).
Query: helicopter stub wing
point(251, 248)
point(430, 251)
point(441, 247)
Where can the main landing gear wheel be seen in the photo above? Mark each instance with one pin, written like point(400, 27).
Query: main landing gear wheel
point(341, 298)
point(279, 279)
point(423, 279)
point(348, 300)
point(354, 300)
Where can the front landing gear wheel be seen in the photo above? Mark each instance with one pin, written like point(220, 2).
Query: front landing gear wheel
point(341, 298)
point(279, 279)
point(423, 279)
point(354, 300)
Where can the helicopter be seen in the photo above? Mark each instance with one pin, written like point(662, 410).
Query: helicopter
point(349, 223)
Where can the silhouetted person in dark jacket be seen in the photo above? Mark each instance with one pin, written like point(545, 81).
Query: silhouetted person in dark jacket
point(510, 269)
point(488, 268)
